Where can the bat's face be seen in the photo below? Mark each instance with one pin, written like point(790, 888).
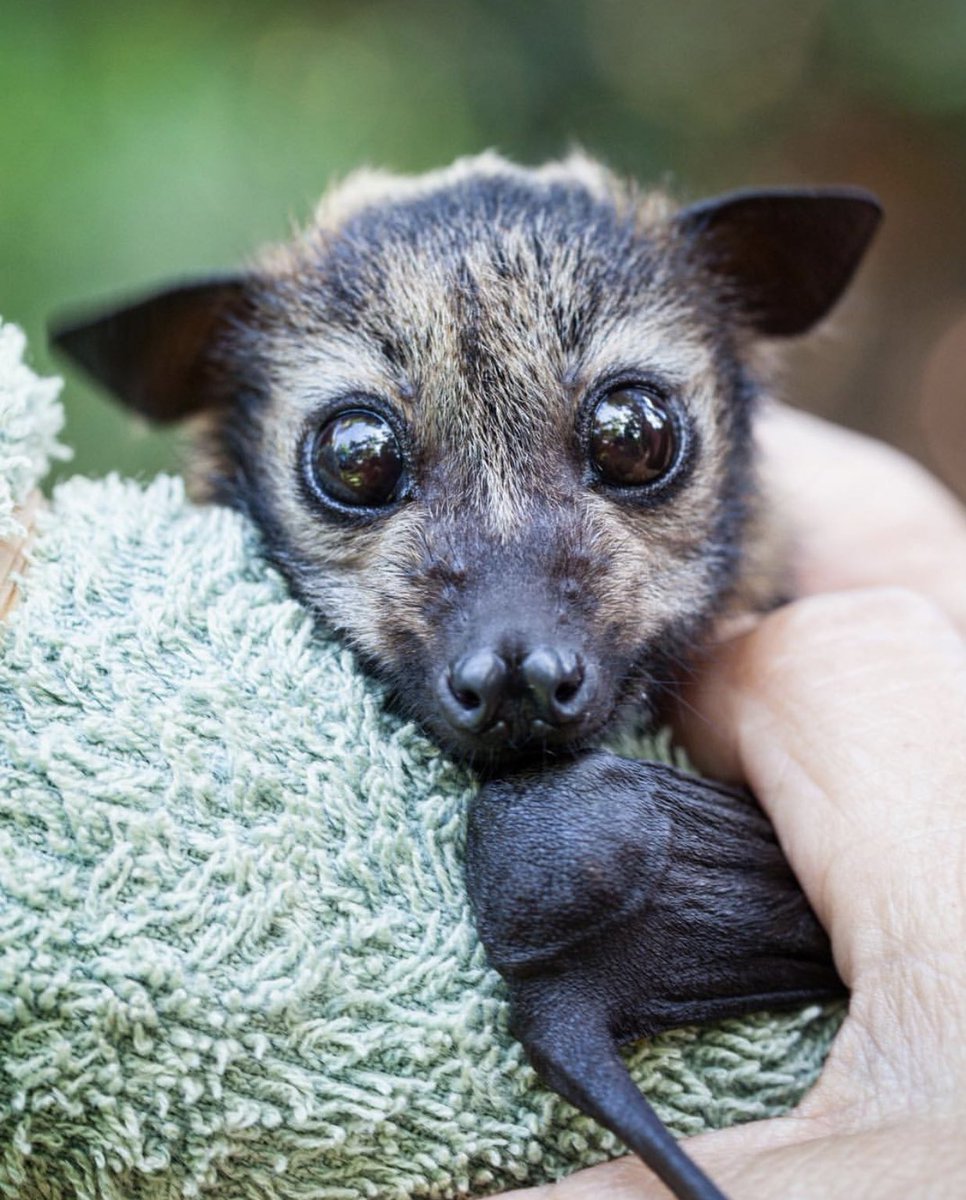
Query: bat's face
point(498, 448)
point(494, 425)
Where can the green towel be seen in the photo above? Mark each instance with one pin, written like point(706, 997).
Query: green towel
point(236, 957)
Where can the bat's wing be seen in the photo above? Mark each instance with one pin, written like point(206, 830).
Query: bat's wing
point(618, 898)
point(556, 859)
point(665, 895)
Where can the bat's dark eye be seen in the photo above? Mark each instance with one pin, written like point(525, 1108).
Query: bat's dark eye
point(355, 458)
point(632, 438)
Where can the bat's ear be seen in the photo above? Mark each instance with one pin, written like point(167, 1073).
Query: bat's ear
point(153, 353)
point(784, 256)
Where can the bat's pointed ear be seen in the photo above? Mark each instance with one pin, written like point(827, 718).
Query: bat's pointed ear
point(153, 353)
point(784, 256)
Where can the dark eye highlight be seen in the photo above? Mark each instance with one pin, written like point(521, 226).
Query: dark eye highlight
point(355, 458)
point(632, 437)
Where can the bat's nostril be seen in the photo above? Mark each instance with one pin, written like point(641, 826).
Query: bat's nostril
point(473, 689)
point(557, 682)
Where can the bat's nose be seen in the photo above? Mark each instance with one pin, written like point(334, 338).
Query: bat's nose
point(529, 692)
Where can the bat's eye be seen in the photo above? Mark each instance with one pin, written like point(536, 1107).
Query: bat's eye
point(355, 458)
point(632, 438)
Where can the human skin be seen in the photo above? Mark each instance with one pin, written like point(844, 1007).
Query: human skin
point(845, 712)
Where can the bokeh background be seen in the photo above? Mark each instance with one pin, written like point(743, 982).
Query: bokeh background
point(143, 141)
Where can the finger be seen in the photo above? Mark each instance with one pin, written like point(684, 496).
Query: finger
point(622, 1179)
point(795, 1157)
point(845, 714)
point(861, 514)
point(724, 1154)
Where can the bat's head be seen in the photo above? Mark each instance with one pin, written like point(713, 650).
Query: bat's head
point(494, 423)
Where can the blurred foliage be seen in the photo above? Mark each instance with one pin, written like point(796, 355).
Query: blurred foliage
point(148, 141)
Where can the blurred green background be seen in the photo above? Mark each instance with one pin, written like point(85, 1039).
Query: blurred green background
point(143, 141)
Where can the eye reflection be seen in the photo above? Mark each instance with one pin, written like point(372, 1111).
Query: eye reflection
point(632, 440)
point(356, 459)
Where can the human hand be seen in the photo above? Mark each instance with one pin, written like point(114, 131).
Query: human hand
point(845, 713)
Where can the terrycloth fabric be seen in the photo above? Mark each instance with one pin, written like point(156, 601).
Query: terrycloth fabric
point(236, 957)
point(30, 420)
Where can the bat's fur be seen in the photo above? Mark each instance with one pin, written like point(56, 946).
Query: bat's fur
point(482, 307)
